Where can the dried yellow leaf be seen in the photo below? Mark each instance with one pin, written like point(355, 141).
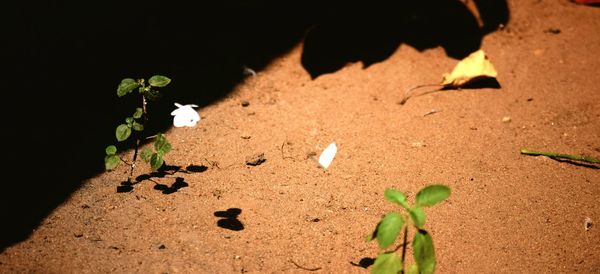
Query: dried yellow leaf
point(474, 66)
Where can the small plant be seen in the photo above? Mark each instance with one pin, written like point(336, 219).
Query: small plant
point(388, 229)
point(135, 125)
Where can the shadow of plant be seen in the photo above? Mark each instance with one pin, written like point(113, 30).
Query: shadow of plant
point(230, 220)
point(162, 172)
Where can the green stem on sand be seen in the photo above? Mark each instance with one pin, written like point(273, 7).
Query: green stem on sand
point(559, 155)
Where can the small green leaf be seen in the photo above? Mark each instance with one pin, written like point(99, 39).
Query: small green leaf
point(432, 194)
point(146, 154)
point(395, 196)
point(423, 252)
point(387, 263)
point(111, 150)
point(418, 216)
point(137, 126)
point(156, 161)
point(159, 81)
point(138, 113)
point(161, 144)
point(413, 269)
point(111, 161)
point(127, 85)
point(388, 229)
point(129, 121)
point(123, 132)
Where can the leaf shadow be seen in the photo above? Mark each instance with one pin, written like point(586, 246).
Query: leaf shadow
point(576, 163)
point(230, 219)
point(162, 172)
point(480, 83)
point(364, 262)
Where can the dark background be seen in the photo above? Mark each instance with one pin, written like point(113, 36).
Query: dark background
point(64, 60)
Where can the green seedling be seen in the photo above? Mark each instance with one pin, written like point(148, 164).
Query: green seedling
point(387, 231)
point(135, 124)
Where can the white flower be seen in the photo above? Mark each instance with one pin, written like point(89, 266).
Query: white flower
point(185, 116)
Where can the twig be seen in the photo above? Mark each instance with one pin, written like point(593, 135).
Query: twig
point(406, 94)
point(305, 268)
point(560, 155)
point(433, 111)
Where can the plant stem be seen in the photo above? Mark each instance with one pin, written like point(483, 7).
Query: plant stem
point(137, 142)
point(560, 155)
point(135, 153)
point(404, 246)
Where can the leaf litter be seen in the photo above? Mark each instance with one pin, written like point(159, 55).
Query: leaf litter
point(472, 68)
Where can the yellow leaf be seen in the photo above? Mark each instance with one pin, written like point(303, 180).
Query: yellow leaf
point(473, 67)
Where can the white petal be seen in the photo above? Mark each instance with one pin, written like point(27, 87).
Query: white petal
point(178, 105)
point(327, 155)
point(185, 116)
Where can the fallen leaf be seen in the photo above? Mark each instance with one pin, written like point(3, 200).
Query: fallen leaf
point(473, 67)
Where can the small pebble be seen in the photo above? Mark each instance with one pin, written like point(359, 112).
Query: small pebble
point(244, 103)
point(417, 144)
point(506, 119)
point(256, 159)
point(587, 223)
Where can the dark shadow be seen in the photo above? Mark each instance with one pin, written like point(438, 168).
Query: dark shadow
point(179, 183)
point(230, 220)
point(485, 82)
point(480, 83)
point(364, 262)
point(195, 168)
point(576, 163)
point(125, 187)
point(162, 172)
point(348, 32)
point(65, 59)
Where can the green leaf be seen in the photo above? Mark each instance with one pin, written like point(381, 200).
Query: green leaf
point(146, 154)
point(127, 85)
point(161, 144)
point(423, 252)
point(418, 216)
point(159, 81)
point(111, 150)
point(395, 196)
point(138, 113)
point(137, 126)
point(111, 161)
point(432, 194)
point(123, 132)
point(388, 229)
point(413, 269)
point(387, 263)
point(156, 161)
point(129, 121)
